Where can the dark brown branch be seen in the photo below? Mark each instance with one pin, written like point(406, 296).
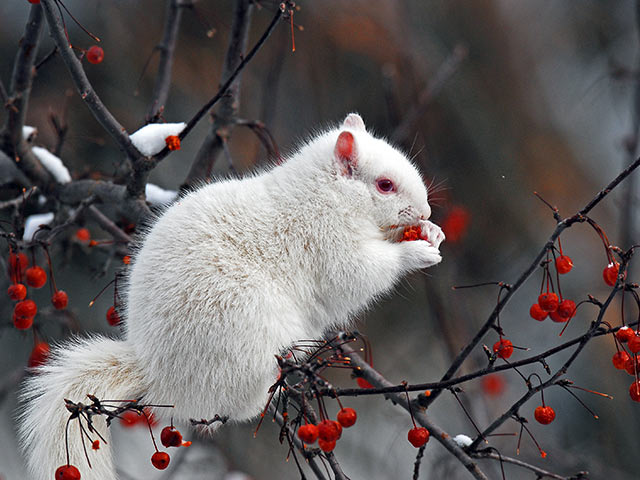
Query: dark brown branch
point(86, 91)
point(541, 473)
point(308, 455)
point(22, 80)
point(561, 226)
point(593, 329)
point(354, 392)
point(167, 48)
point(105, 222)
point(229, 104)
point(403, 131)
point(420, 417)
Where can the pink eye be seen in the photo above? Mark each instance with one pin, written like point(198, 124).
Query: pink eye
point(385, 185)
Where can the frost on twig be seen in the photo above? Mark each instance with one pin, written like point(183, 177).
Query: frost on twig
point(150, 139)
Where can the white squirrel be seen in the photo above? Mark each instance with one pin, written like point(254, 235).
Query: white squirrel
point(232, 274)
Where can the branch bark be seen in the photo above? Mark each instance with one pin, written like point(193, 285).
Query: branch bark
point(167, 48)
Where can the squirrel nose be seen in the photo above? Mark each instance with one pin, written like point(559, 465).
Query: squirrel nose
point(426, 213)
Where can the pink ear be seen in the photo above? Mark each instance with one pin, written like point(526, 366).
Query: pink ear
point(345, 153)
point(354, 121)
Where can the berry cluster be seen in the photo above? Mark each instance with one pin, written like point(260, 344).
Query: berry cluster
point(327, 432)
point(627, 356)
point(550, 303)
point(129, 414)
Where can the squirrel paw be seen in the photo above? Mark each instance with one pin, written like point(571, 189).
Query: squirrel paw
point(420, 254)
point(432, 233)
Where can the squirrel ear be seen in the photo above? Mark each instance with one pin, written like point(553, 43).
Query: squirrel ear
point(354, 122)
point(346, 154)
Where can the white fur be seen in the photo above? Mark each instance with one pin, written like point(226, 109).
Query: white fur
point(231, 275)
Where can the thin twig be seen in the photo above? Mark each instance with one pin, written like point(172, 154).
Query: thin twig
point(541, 473)
point(167, 48)
point(433, 88)
point(84, 87)
point(421, 417)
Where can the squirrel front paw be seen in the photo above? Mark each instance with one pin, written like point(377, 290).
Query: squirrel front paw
point(420, 254)
point(432, 233)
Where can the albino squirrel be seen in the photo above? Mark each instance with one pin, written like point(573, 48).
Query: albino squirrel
point(232, 274)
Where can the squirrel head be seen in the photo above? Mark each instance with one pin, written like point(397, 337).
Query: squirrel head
point(388, 184)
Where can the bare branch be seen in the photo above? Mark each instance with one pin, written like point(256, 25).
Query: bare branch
point(421, 417)
point(433, 88)
point(167, 48)
point(22, 80)
point(86, 91)
point(105, 222)
point(541, 473)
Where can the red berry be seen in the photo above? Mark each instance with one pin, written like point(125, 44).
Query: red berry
point(60, 300)
point(328, 430)
point(326, 446)
point(544, 415)
point(362, 383)
point(95, 55)
point(537, 313)
point(548, 302)
point(22, 323)
point(632, 365)
point(308, 433)
point(418, 436)
point(634, 344)
point(17, 291)
point(347, 417)
point(26, 308)
point(567, 308)
point(620, 359)
point(610, 273)
point(160, 460)
point(624, 334)
point(35, 2)
point(503, 348)
point(38, 355)
point(634, 391)
point(67, 472)
point(339, 427)
point(113, 318)
point(83, 235)
point(36, 277)
point(493, 384)
point(563, 264)
point(131, 418)
point(556, 317)
point(17, 263)
point(172, 142)
point(411, 234)
point(170, 437)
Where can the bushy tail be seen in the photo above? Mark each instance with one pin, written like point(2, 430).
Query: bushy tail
point(100, 366)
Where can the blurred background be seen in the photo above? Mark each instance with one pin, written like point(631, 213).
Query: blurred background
point(493, 98)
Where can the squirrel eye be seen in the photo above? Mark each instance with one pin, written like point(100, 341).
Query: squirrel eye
point(385, 185)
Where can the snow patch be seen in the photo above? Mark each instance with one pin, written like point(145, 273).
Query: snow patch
point(462, 440)
point(33, 222)
point(53, 164)
point(27, 133)
point(150, 138)
point(235, 475)
point(159, 196)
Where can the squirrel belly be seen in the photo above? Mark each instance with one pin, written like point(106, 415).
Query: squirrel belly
point(238, 271)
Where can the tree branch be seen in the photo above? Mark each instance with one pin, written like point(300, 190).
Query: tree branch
point(167, 48)
point(420, 416)
point(86, 91)
point(541, 473)
point(22, 80)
